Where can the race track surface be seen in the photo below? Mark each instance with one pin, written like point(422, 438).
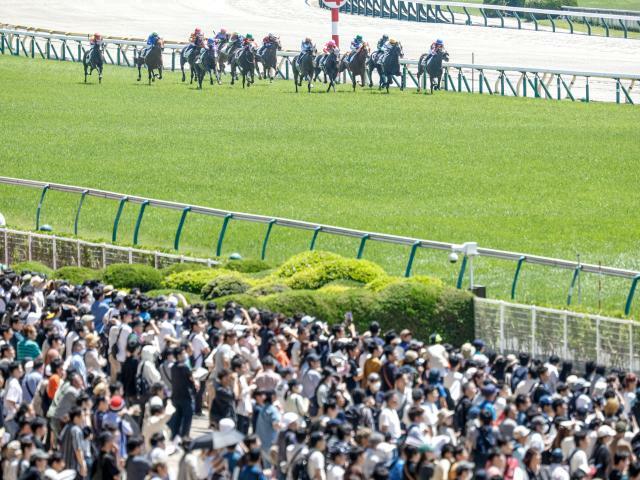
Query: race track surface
point(294, 19)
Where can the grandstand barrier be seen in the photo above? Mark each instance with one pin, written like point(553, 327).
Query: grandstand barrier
point(316, 229)
point(577, 337)
point(460, 13)
point(56, 252)
point(485, 79)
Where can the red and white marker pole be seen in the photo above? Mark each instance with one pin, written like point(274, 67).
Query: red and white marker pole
point(334, 5)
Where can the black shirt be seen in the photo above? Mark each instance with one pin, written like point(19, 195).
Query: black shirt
point(223, 405)
point(128, 376)
point(601, 458)
point(182, 386)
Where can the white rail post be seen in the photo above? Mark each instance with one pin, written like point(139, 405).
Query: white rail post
point(502, 339)
point(55, 253)
point(597, 339)
point(155, 259)
point(533, 330)
point(29, 246)
point(631, 346)
point(104, 256)
point(130, 255)
point(79, 252)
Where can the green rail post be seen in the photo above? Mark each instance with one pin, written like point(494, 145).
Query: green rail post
point(617, 90)
point(223, 231)
point(316, 232)
point(412, 256)
point(183, 217)
point(116, 222)
point(272, 222)
point(587, 91)
point(624, 29)
point(568, 19)
point(632, 291)
point(136, 230)
point(42, 195)
point(363, 242)
point(514, 285)
point(2, 43)
point(77, 219)
point(468, 22)
point(463, 268)
point(33, 47)
point(574, 279)
point(553, 24)
point(588, 25)
point(173, 60)
point(515, 14)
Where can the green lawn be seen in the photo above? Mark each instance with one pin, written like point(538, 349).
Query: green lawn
point(542, 177)
point(608, 4)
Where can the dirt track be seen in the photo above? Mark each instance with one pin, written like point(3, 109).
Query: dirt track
point(293, 19)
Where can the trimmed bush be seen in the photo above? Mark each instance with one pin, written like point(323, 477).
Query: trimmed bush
point(193, 281)
point(33, 267)
point(305, 261)
point(124, 275)
point(361, 271)
point(190, 297)
point(78, 275)
point(381, 283)
point(182, 267)
point(265, 289)
point(248, 266)
point(225, 285)
point(454, 317)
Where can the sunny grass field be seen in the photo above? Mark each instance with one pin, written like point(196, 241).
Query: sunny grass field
point(541, 177)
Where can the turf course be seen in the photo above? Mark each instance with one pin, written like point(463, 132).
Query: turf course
point(542, 177)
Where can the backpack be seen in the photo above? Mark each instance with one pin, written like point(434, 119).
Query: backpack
point(354, 415)
point(300, 466)
point(519, 375)
point(142, 384)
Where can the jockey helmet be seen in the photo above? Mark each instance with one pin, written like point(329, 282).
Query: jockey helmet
point(198, 30)
point(210, 41)
point(307, 39)
point(392, 41)
point(385, 36)
point(439, 42)
point(222, 30)
point(155, 34)
point(97, 35)
point(331, 43)
point(359, 38)
point(248, 36)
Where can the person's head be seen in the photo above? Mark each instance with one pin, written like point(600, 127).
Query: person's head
point(532, 458)
point(105, 441)
point(230, 337)
point(39, 460)
point(634, 471)
point(225, 378)
point(30, 332)
point(134, 446)
point(75, 415)
point(15, 369)
point(317, 441)
point(621, 460)
point(580, 439)
point(469, 390)
point(391, 399)
point(56, 461)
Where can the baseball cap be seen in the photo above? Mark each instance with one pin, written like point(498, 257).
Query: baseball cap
point(606, 431)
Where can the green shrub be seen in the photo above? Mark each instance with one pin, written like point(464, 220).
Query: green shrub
point(361, 271)
point(124, 275)
point(78, 275)
point(264, 289)
point(193, 280)
point(551, 4)
point(225, 285)
point(190, 297)
point(454, 318)
point(408, 305)
point(182, 267)
point(33, 267)
point(304, 261)
point(381, 283)
point(248, 266)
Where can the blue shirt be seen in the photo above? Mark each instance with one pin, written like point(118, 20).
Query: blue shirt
point(77, 363)
point(264, 426)
point(99, 310)
point(30, 384)
point(395, 472)
point(251, 472)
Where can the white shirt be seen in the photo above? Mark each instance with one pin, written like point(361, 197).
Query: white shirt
point(389, 419)
point(122, 337)
point(335, 472)
point(198, 345)
point(13, 393)
point(579, 460)
point(166, 330)
point(559, 472)
point(438, 357)
point(316, 465)
point(453, 382)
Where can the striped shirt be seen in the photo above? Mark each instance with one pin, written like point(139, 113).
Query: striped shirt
point(28, 348)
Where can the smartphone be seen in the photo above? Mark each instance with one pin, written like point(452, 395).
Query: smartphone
point(348, 318)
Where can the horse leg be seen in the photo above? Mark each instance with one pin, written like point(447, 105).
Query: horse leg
point(160, 72)
point(182, 69)
point(233, 74)
point(353, 82)
point(100, 74)
point(295, 80)
point(85, 73)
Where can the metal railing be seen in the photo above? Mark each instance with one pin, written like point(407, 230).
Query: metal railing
point(56, 252)
point(577, 337)
point(460, 13)
point(457, 77)
point(316, 229)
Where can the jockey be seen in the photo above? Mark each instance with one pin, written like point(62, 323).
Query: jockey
point(305, 48)
point(211, 43)
point(151, 42)
point(356, 44)
point(331, 46)
point(436, 46)
point(267, 42)
point(221, 36)
point(248, 40)
point(382, 43)
point(96, 39)
point(196, 39)
point(236, 40)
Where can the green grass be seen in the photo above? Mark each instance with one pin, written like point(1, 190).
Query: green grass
point(542, 177)
point(608, 4)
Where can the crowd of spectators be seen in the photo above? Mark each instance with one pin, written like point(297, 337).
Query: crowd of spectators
point(103, 384)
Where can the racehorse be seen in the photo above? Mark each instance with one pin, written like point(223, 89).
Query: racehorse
point(331, 69)
point(387, 65)
point(153, 61)
point(269, 59)
point(190, 59)
point(245, 61)
point(93, 59)
point(207, 63)
point(222, 55)
point(304, 69)
point(226, 55)
point(433, 68)
point(357, 66)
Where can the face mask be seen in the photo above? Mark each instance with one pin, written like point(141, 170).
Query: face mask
point(375, 386)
